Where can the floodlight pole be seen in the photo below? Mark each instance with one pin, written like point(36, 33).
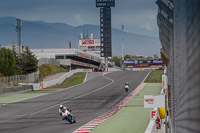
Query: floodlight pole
point(123, 46)
point(18, 29)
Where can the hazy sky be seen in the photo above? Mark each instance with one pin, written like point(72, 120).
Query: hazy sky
point(138, 16)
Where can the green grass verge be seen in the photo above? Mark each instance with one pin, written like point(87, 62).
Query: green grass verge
point(49, 69)
point(155, 76)
point(18, 97)
point(75, 79)
point(131, 119)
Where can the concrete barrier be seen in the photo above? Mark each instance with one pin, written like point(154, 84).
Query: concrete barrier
point(61, 79)
point(152, 127)
point(34, 86)
point(46, 84)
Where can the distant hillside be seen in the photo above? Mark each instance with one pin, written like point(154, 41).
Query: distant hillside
point(38, 34)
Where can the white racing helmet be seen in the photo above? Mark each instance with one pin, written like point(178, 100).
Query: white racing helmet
point(61, 106)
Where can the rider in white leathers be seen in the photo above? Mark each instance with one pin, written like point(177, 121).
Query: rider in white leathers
point(62, 110)
point(126, 86)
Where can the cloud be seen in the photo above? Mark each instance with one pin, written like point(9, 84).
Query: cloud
point(150, 21)
point(78, 19)
point(138, 16)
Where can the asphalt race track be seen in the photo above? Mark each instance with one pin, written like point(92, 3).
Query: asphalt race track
point(87, 101)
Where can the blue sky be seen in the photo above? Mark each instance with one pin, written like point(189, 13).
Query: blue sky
point(138, 16)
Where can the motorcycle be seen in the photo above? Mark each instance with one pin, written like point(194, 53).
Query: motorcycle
point(69, 117)
point(126, 87)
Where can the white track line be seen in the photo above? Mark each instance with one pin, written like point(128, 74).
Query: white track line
point(49, 93)
point(47, 108)
point(107, 114)
point(146, 77)
point(112, 81)
point(85, 77)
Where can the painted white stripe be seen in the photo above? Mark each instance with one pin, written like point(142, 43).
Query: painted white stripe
point(85, 77)
point(112, 111)
point(112, 81)
point(87, 128)
point(47, 108)
point(96, 123)
point(87, 131)
point(99, 120)
point(84, 129)
point(82, 132)
point(93, 124)
point(51, 92)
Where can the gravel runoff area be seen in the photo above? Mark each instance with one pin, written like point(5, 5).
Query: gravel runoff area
point(133, 117)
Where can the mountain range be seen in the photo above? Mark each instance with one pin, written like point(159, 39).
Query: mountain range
point(39, 34)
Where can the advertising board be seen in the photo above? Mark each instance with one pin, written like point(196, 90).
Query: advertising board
point(129, 61)
point(156, 62)
point(151, 101)
point(87, 42)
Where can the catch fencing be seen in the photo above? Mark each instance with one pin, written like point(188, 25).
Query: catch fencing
point(14, 80)
point(184, 66)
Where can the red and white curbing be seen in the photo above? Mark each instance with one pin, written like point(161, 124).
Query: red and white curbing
point(92, 124)
point(106, 72)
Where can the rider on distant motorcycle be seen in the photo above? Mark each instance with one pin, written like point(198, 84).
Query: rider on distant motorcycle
point(62, 109)
point(126, 86)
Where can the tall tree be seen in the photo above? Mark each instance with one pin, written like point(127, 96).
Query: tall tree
point(7, 62)
point(127, 57)
point(117, 60)
point(155, 56)
point(18, 59)
point(29, 62)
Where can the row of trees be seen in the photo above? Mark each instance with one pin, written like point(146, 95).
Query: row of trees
point(118, 60)
point(12, 64)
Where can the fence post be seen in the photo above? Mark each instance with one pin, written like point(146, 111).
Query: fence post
point(14, 80)
point(7, 81)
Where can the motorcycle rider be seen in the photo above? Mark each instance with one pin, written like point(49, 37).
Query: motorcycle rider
point(126, 86)
point(62, 109)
